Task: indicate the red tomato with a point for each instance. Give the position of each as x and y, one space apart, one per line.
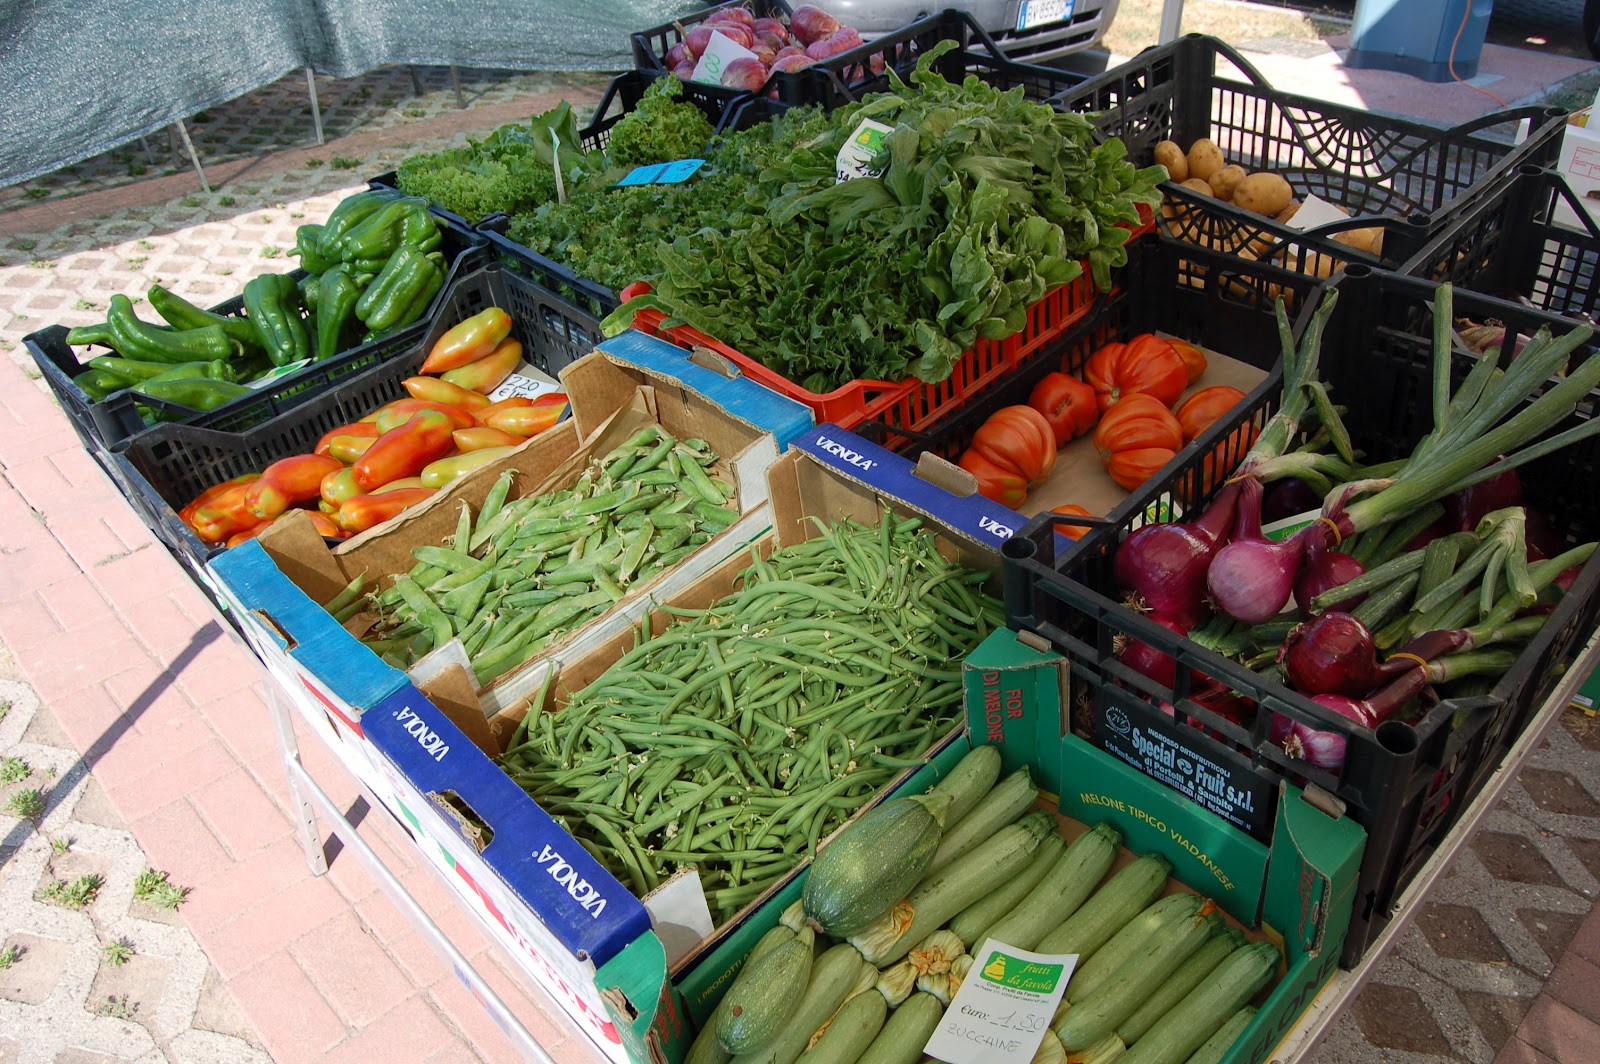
1072 510
1194 359
1001 485
1145 365
1205 406
1137 437
1018 439
1068 404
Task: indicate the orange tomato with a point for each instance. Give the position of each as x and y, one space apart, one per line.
435 390
1136 437
1002 485
1068 404
1018 439
1194 359
1205 406
476 439
1145 365
1072 510
357 429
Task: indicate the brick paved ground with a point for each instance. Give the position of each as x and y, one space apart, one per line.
154 723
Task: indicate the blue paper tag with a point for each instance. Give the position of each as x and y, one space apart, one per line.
662 173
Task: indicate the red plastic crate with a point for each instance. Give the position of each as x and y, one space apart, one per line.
912 404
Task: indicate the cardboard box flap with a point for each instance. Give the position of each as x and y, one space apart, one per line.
1312 852
591 914
637 995
302 627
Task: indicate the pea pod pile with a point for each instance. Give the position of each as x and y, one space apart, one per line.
737 737
527 571
373 267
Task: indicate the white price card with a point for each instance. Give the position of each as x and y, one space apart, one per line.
864 145
524 380
1004 1006
721 51
277 373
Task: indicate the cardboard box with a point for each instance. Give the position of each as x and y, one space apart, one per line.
1579 164
1296 893
570 924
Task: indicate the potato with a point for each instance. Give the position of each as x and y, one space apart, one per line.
1171 156
1265 194
1224 181
1288 212
1199 185
1205 159
1368 240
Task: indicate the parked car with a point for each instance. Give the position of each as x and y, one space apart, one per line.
1032 31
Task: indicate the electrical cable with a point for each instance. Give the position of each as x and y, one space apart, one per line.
1467 14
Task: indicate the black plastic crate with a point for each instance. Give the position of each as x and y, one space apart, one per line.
163 469
1513 243
1407 177
1408 782
105 424
1208 298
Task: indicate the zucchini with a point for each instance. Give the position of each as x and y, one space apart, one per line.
1216 1047
706 1049
1190 974
1207 1007
908 1029
1061 892
845 1037
1009 799
976 918
1050 1050
949 890
1104 1051
874 862
972 778
764 994
1097 1014
1122 898
1152 923
776 937
833 977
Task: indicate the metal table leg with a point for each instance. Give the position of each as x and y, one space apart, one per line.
316 106
183 131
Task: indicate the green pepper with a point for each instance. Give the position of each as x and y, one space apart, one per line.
142 341
129 370
90 334
308 291
308 245
380 234
189 371
183 314
97 384
201 393
337 295
419 230
272 303
392 292
351 211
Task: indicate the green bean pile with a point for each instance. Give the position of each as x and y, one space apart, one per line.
528 571
736 738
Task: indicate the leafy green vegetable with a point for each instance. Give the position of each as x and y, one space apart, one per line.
664 127
985 201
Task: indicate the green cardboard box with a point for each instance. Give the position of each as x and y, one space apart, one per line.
1296 892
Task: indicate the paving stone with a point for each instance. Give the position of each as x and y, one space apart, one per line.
1517 1051
73 1055
218 1012
139 979
10 1051
33 976
1459 932
1558 792
1495 1016
1559 1032
1513 857
1394 1017
95 808
1554 931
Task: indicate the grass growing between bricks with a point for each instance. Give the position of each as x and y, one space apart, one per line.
77 894
9 956
117 1006
154 889
27 804
117 952
14 770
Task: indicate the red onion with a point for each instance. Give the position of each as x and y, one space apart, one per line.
788 64
1145 659
685 71
1543 537
791 49
1289 498
748 74
1324 570
1466 508
846 39
810 23
737 32
773 28
1165 565
678 53
1332 654
1252 578
743 16
1326 749
696 40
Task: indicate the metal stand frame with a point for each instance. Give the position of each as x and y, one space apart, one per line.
309 799
316 105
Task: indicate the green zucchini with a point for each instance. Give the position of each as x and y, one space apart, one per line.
908 1029
764 994
776 937
951 889
1122 898
1207 1007
706 1048
1105 1051
1153 922
1097 1014
874 862
845 1037
1009 799
972 921
1190 974
1061 892
833 977
972 778
1050 1050
1216 1047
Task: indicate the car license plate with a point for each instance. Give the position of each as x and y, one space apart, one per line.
1035 13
